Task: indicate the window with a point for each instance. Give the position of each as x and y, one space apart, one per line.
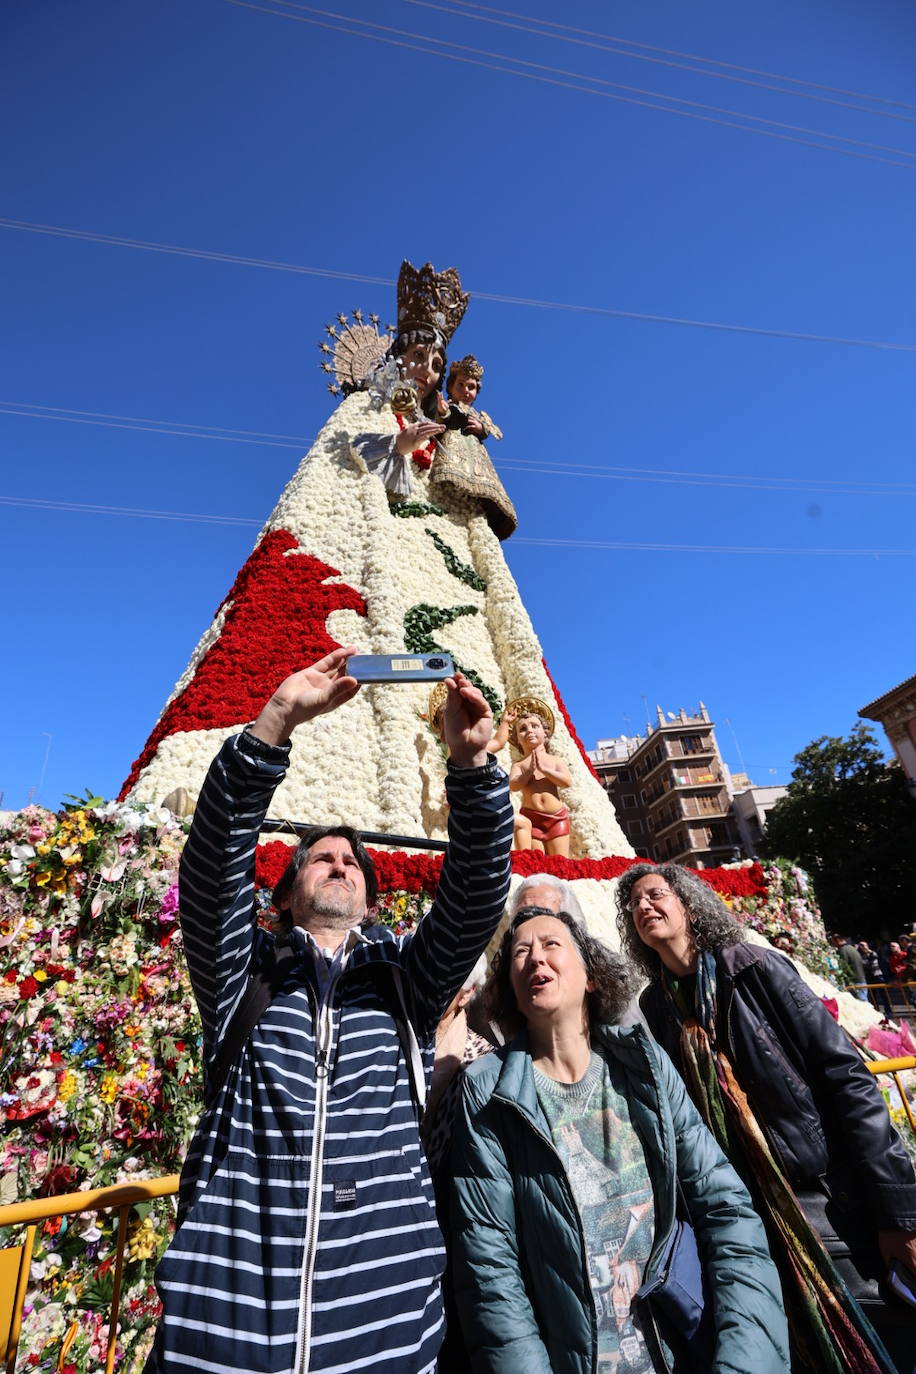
635 827
624 775
629 800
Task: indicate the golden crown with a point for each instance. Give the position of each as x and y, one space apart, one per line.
468 366
428 299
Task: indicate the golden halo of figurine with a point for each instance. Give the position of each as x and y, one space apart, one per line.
355 350
529 706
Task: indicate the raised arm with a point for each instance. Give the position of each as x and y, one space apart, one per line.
474 882
216 875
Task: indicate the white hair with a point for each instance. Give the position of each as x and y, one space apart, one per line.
569 902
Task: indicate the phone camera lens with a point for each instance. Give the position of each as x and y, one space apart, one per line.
435 663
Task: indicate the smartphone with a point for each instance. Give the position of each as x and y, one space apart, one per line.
400 667
902 1281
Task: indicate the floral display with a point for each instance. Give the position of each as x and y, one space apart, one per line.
100 1077
280 602
100 1067
340 563
776 899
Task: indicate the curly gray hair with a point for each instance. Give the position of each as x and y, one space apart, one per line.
711 922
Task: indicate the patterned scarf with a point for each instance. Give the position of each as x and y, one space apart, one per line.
829 1332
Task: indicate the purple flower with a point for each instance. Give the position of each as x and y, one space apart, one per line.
169 908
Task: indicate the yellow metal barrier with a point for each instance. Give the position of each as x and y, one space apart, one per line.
884 992
15 1261
895 1067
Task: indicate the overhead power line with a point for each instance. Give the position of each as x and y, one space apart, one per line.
85 508
529 302
558 76
713 548
611 472
695 57
626 47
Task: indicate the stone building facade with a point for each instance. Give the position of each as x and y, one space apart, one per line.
671 790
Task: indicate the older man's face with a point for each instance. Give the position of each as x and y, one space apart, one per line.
541 894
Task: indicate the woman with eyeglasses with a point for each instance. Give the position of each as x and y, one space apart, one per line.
577 1154
796 1111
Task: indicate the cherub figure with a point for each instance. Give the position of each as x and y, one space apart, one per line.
461 463
542 823
462 387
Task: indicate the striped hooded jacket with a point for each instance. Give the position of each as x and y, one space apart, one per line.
307 1237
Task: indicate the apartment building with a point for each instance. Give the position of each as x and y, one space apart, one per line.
671 790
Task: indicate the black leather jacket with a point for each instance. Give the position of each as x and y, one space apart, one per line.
818 1104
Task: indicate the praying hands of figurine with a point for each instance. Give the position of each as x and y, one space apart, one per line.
540 766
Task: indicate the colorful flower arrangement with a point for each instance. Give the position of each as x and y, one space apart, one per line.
776 899
100 1064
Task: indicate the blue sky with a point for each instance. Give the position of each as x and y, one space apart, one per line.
238 130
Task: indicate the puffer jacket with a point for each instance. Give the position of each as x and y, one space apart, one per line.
521 1271
811 1093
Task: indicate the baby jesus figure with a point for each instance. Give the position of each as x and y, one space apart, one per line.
542 822
462 388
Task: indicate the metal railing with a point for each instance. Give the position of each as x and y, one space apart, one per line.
16 1260
895 1067
883 999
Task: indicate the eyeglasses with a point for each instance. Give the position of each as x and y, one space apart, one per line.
654 896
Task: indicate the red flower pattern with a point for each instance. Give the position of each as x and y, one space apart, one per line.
400 872
275 624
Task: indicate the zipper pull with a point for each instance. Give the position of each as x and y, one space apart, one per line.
321 1064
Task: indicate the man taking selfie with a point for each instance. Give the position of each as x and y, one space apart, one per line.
307 1236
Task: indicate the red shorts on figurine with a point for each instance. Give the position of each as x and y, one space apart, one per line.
547 825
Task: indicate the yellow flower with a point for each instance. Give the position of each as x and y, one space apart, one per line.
400 905
67 1086
39 975
109 1089
60 987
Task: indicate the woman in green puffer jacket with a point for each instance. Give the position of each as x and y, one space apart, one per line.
576 1152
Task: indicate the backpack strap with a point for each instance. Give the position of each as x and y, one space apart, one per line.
267 982
410 1046
263 986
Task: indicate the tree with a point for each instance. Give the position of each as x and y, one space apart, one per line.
848 819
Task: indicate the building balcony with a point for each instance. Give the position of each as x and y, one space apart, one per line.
700 777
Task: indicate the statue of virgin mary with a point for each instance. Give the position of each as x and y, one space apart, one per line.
383 538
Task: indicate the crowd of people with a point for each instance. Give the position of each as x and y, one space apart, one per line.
706 1181
885 976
